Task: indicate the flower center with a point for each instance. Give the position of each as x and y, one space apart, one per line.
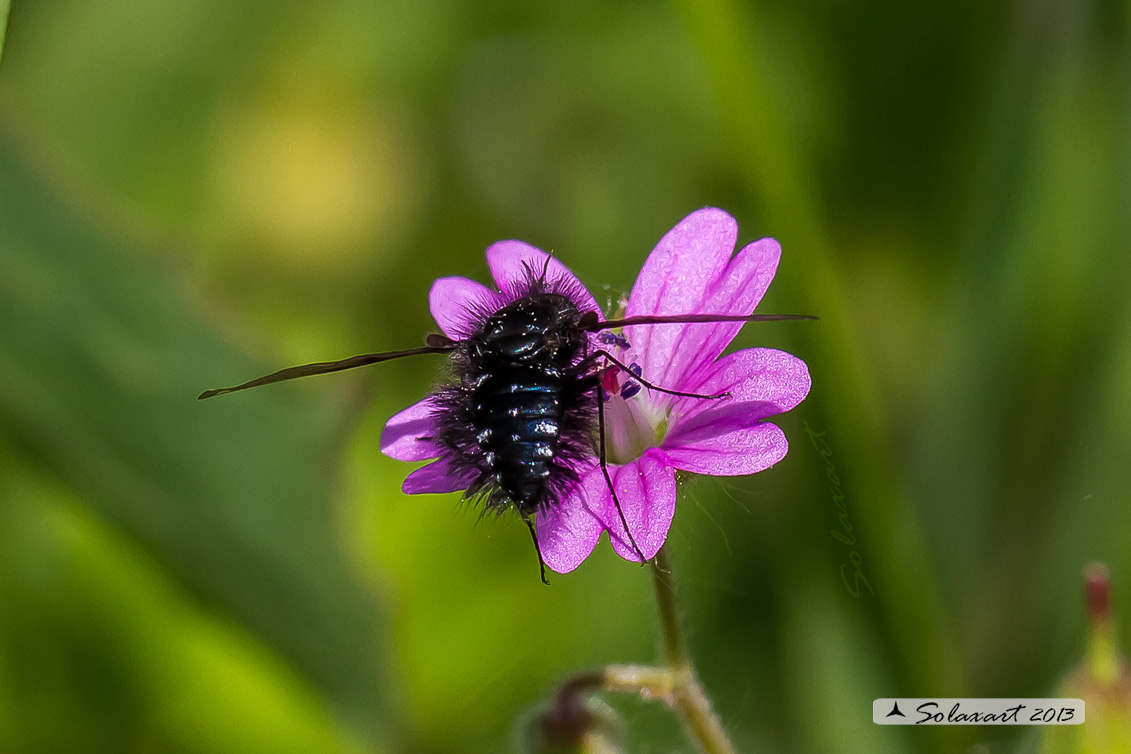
629 431
632 423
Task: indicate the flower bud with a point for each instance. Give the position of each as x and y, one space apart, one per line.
1101 679
570 724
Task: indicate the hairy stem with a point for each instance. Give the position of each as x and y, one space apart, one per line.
674 683
687 694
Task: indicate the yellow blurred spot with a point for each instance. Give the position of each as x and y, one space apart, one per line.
317 180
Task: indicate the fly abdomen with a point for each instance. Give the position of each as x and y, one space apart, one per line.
518 410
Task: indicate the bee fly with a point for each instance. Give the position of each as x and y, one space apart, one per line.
525 410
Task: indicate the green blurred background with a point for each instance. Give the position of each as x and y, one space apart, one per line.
195 192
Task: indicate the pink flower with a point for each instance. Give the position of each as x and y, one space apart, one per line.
649 434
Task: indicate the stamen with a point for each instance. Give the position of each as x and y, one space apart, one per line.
614 339
631 387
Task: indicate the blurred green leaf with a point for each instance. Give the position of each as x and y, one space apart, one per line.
781 176
4 6
101 360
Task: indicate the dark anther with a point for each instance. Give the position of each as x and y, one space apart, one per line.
614 339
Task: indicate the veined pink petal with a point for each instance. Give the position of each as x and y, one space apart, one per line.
677 278
511 263
646 490
737 291
455 302
408 435
772 380
726 436
733 450
437 477
568 532
723 415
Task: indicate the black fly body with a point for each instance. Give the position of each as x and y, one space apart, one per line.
524 412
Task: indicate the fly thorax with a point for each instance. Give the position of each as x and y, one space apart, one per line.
541 328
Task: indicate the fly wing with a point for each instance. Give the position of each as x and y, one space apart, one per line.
326 367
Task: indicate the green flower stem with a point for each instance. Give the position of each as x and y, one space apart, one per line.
675 684
646 681
677 687
689 698
671 626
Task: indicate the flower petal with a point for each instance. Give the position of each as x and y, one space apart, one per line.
732 450
437 477
771 381
727 436
725 415
569 531
408 435
737 291
676 279
458 303
513 262
646 490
